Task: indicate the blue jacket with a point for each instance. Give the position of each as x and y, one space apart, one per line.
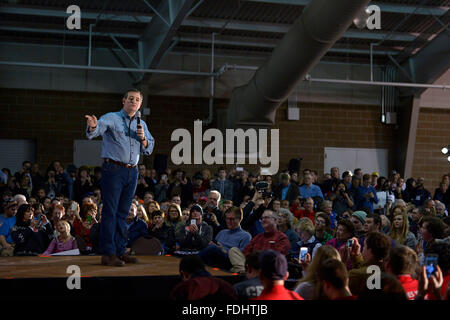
137 229
366 202
227 193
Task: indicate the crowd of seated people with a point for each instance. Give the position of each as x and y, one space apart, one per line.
347 222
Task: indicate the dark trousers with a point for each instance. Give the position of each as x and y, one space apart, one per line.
118 186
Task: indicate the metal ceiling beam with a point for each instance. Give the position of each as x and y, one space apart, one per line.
158 36
283 28
430 63
272 44
213 23
69 32
92 15
385 7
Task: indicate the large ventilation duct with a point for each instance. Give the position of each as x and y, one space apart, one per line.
322 23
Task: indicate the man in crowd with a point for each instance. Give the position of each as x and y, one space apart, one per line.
308 189
272 274
333 275
402 263
198 284
7 221
366 194
216 254
375 251
251 287
223 185
271 238
286 190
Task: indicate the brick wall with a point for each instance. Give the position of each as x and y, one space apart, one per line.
330 125
54 119
433 133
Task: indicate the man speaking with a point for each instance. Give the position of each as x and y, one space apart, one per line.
125 136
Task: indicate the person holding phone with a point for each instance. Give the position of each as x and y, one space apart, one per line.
196 234
125 137
83 227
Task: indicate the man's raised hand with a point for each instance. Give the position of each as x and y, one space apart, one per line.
91 121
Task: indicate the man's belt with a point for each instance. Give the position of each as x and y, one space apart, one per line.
126 165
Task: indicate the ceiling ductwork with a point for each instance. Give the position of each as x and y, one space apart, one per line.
322 23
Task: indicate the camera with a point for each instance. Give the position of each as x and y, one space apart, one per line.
261 186
267 194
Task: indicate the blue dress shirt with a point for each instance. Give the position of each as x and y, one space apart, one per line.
312 191
120 141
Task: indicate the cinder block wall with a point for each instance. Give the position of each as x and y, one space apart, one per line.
433 133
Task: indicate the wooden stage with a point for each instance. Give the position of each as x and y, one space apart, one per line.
45 277
90 266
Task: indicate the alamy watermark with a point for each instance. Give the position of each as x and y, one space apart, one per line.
74 280
374 280
216 153
74 20
369 17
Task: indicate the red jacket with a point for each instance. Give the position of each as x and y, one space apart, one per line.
274 240
410 285
300 213
278 292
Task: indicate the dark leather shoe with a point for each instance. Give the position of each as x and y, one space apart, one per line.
112 261
128 259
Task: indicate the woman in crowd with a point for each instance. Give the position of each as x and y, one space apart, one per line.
30 236
56 213
141 213
322 225
345 230
64 242
185 215
327 207
400 231
174 217
385 224
285 222
305 230
152 206
83 228
309 287
72 214
25 185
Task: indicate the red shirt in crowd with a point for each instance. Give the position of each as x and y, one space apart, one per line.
269 240
278 292
410 285
300 213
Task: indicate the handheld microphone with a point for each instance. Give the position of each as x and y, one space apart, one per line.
138 118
